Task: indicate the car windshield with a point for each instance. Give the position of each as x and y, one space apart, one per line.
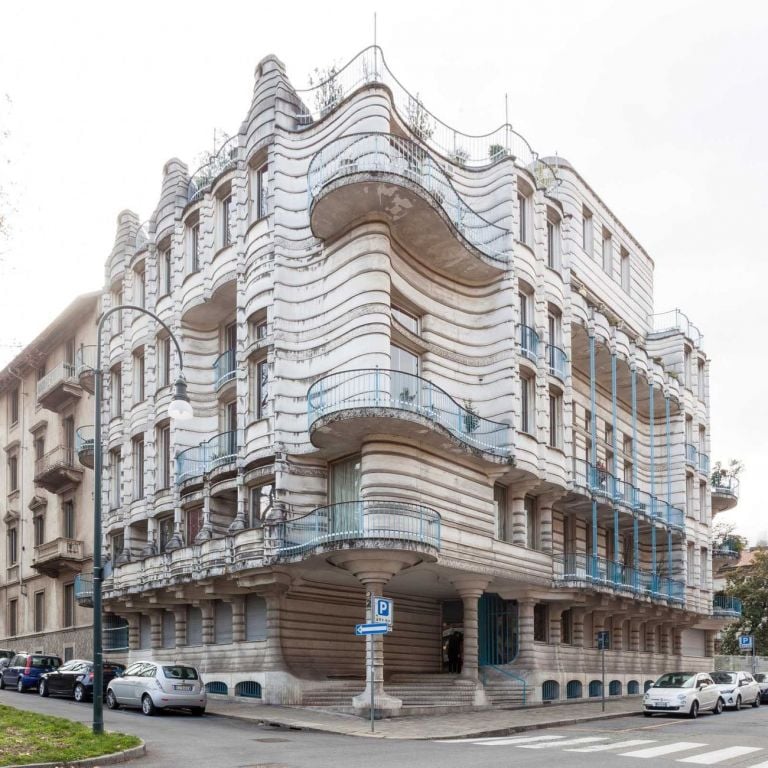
178 672
724 678
45 661
676 680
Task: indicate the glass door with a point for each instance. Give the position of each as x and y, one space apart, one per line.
405 382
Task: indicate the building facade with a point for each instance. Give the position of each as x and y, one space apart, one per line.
424 365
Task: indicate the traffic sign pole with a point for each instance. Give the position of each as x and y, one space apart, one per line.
373 700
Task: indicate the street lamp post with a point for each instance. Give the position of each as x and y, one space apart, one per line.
180 409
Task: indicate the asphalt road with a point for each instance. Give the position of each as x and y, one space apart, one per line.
738 739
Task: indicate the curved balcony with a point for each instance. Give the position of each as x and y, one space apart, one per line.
84 445
363 524
366 393
84 589
557 361
529 343
59 555
580 570
357 177
676 321
703 463
223 160
210 455
725 606
224 368
59 388
85 366
725 492
691 455
725 551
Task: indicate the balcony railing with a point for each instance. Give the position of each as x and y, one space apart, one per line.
60 457
61 373
369 67
725 551
675 320
85 359
84 439
84 587
224 159
381 388
59 549
389 523
529 342
703 463
691 454
590 569
726 606
725 485
209 455
225 368
372 153
603 484
557 361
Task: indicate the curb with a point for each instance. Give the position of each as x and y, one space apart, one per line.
91 762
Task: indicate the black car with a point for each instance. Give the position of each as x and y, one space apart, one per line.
75 679
762 681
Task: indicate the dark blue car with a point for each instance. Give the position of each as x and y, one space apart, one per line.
25 669
75 679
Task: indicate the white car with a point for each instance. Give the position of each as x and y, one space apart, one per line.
683 693
737 688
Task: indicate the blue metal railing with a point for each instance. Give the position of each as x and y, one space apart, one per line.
84 438
383 521
366 153
225 368
691 454
724 605
200 459
383 388
557 361
85 359
703 463
506 673
83 586
529 342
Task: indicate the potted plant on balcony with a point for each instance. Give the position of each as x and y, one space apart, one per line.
406 396
470 417
329 91
419 120
496 152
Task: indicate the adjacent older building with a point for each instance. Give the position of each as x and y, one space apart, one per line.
424 365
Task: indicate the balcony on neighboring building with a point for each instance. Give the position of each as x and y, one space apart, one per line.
725 551
582 570
364 524
84 589
58 555
84 446
56 471
59 388
218 453
377 175
726 607
529 343
224 368
373 398
85 365
557 362
725 492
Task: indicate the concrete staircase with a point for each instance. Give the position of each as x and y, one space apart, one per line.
502 691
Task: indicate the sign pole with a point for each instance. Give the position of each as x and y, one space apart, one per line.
373 705
602 686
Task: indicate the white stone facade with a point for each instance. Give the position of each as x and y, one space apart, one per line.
422 364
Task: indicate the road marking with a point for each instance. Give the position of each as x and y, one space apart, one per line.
615 745
710 758
501 740
568 742
666 749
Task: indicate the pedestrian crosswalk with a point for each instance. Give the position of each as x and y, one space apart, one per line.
700 753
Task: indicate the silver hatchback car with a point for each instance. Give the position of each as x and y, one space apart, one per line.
153 685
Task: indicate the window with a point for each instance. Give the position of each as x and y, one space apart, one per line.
531 519
255 617
69 605
68 519
689 495
13 617
525 299
39 611
138 377
139 286
68 435
687 372
701 379
703 568
262 191
262 389
702 502
13 473
227 220
566 627
116 471
38 525
163 361
116 392
553 242
555 419
690 564
345 480
540 623
166 271
13 406
607 252
406 319
169 632
626 273
137 451
524 214
164 531
194 523
117 317
163 462
526 403
193 247
503 527
587 231
13 545
117 544
262 499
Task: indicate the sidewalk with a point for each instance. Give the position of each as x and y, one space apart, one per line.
494 722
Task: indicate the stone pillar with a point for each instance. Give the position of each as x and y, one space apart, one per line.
650 636
634 634
206 530
555 624
241 519
525 629
677 641
664 644
180 615
578 627
208 630
150 547
519 522
617 634
598 625
134 631
238 619
545 504
709 642
470 590
274 597
156 629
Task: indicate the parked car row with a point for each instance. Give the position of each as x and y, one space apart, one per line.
689 693
148 685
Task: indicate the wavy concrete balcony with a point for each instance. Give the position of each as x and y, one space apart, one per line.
347 405
223 160
557 362
615 492
217 453
374 176
726 607
58 555
56 471
725 492
85 365
59 388
362 524
582 570
84 446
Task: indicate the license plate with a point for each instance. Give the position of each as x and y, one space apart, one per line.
182 687
660 705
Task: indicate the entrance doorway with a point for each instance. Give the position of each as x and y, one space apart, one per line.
452 644
497 630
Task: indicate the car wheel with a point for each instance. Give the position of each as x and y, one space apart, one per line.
198 711
20 685
756 702
694 713
112 700
648 714
42 689
2 683
147 705
718 710
79 693
737 705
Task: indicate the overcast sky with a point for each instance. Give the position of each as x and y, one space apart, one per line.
660 105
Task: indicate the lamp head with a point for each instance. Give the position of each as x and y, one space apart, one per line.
180 409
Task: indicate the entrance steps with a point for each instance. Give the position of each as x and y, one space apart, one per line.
502 691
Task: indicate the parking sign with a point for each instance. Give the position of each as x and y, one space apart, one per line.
381 609
745 642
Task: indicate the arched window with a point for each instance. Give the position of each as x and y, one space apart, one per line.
550 690
574 689
614 688
648 684
217 687
595 689
633 687
248 688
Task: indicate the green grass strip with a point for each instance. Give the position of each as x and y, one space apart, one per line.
26 737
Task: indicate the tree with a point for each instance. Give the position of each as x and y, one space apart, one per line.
724 536
329 90
419 120
751 587
733 469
